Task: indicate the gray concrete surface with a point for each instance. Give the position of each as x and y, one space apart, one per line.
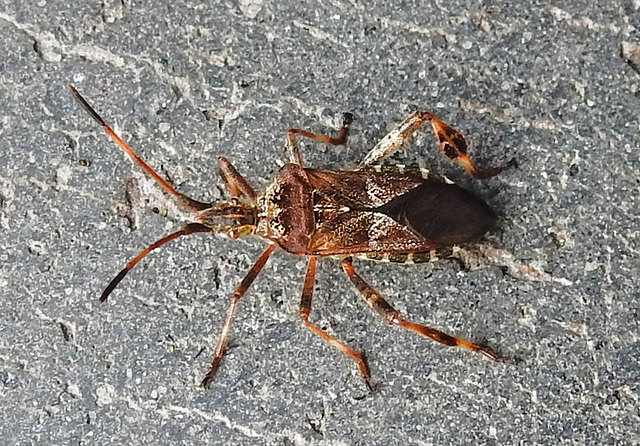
553 84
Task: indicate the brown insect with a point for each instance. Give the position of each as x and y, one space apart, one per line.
386 213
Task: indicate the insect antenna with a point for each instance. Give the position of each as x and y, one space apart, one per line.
183 199
190 228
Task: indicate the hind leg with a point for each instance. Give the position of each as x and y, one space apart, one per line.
391 315
452 144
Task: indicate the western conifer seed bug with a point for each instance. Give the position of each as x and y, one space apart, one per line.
385 213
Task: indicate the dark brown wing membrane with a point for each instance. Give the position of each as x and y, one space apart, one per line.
442 213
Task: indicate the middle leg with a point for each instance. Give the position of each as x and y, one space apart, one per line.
384 309
305 309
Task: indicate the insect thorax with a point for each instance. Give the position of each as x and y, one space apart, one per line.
285 210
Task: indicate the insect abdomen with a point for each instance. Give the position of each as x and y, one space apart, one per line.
410 258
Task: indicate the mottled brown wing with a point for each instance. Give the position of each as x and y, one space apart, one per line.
359 190
357 232
346 221
364 212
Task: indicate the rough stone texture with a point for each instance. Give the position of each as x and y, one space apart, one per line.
184 82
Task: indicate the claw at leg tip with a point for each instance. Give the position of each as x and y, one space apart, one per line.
206 382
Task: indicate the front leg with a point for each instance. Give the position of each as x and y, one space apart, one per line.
235 182
231 312
452 144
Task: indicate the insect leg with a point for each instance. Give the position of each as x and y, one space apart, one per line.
305 309
384 309
182 199
190 228
236 183
292 143
452 144
388 145
226 328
